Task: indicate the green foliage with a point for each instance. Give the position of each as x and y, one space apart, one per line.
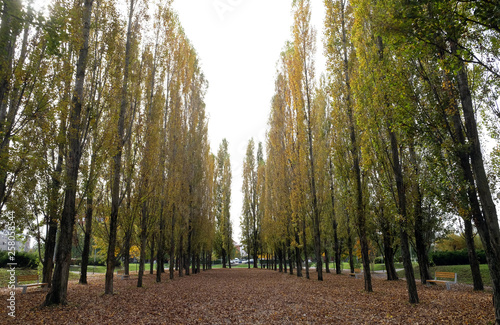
23 260
455 257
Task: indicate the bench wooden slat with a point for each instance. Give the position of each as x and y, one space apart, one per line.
357 272
122 275
29 277
444 275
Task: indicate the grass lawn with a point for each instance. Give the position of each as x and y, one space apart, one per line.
464 274
5 275
373 267
133 267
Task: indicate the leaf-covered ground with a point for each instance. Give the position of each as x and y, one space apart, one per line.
253 296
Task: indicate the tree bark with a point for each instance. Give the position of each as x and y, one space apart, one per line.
488 227
86 241
143 238
9 31
387 238
327 261
171 264
405 247
161 246
52 219
304 243
420 243
152 255
349 244
58 291
473 260
117 161
223 258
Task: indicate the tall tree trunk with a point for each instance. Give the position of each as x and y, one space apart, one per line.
117 161
223 258
9 31
349 244
298 257
89 215
355 151
52 219
336 246
152 255
255 255
327 261
161 245
144 237
171 264
304 241
420 243
189 248
58 291
290 258
470 192
86 241
405 247
181 256
55 186
280 260
316 221
490 225
471 252
126 251
387 238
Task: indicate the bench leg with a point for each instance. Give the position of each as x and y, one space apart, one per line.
448 286
24 289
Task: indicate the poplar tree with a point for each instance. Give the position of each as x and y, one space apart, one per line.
222 196
58 291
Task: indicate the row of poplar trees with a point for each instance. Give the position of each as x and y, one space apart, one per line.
103 125
377 153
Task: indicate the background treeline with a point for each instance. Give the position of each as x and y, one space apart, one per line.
384 152
104 138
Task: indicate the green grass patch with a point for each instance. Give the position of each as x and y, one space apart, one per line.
236 266
464 274
5 275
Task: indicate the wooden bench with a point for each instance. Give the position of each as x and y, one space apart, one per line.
444 275
357 272
28 278
122 275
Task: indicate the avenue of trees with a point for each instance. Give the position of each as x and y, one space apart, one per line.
104 140
104 145
382 152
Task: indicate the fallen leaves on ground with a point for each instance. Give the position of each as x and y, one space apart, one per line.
253 296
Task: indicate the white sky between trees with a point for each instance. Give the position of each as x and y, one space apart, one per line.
239 44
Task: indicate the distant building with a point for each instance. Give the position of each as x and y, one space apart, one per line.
4 243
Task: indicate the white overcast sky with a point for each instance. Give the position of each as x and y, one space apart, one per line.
239 43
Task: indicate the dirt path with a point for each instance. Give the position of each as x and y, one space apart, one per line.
242 296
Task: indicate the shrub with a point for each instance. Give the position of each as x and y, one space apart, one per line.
379 260
455 257
23 260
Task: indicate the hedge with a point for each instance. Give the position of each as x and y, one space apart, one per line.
455 257
23 259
